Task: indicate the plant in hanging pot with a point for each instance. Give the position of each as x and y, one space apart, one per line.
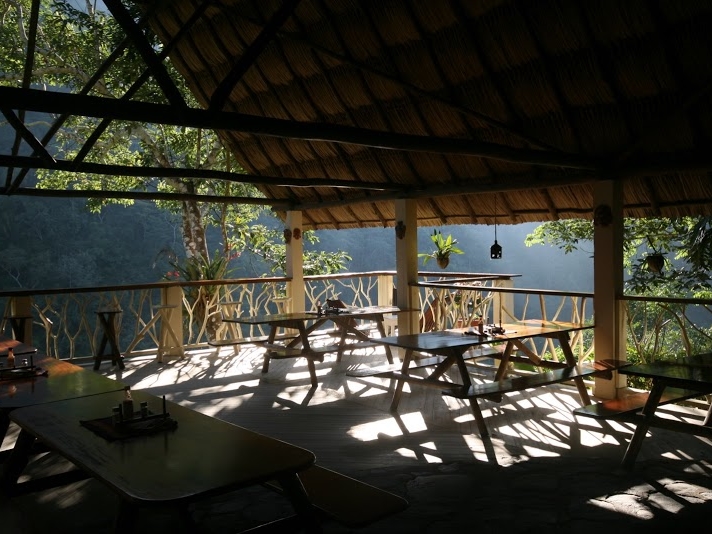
655 259
444 246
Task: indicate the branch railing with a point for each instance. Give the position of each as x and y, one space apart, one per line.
498 303
65 324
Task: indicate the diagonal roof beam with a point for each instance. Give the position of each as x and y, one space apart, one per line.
26 80
92 106
222 92
155 65
131 92
27 135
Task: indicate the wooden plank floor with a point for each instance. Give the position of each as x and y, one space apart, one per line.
430 454
347 422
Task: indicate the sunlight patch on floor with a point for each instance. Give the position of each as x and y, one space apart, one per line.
413 422
214 408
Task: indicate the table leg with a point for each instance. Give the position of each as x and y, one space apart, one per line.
399 386
479 418
4 423
109 336
16 463
504 362
382 332
270 339
297 495
572 362
648 412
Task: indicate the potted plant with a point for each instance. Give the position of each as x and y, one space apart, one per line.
444 246
655 259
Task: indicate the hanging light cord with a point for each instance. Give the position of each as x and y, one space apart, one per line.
495 217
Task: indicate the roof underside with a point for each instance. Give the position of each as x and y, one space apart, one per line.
499 109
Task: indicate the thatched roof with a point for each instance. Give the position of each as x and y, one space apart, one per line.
455 102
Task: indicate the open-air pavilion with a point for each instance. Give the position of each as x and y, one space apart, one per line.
405 114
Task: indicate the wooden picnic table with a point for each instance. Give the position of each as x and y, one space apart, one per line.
57 380
171 468
690 374
452 345
306 323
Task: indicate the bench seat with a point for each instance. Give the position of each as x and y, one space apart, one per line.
629 405
520 383
346 500
419 363
280 352
256 340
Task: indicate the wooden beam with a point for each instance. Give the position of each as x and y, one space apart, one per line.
131 91
155 65
93 106
194 174
222 92
145 195
27 135
26 78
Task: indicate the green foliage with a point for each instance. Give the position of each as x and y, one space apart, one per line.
686 243
74 40
656 330
266 244
202 268
444 246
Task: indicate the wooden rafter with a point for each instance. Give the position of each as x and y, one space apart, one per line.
155 65
194 174
222 92
91 106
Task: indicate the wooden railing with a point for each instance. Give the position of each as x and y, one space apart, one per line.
497 302
64 322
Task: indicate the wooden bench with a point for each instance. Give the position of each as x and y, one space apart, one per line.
280 352
625 408
346 500
494 390
256 340
419 363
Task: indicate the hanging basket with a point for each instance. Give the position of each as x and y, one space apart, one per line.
655 262
443 262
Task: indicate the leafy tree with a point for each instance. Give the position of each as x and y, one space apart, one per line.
655 329
72 45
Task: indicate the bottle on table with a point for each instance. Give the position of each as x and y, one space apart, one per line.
127 406
10 357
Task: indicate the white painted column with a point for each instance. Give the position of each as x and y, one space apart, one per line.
609 332
295 262
407 266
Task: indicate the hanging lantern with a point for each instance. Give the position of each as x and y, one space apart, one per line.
496 249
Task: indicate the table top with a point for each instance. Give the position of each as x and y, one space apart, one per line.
277 318
17 347
459 337
203 456
686 374
64 380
